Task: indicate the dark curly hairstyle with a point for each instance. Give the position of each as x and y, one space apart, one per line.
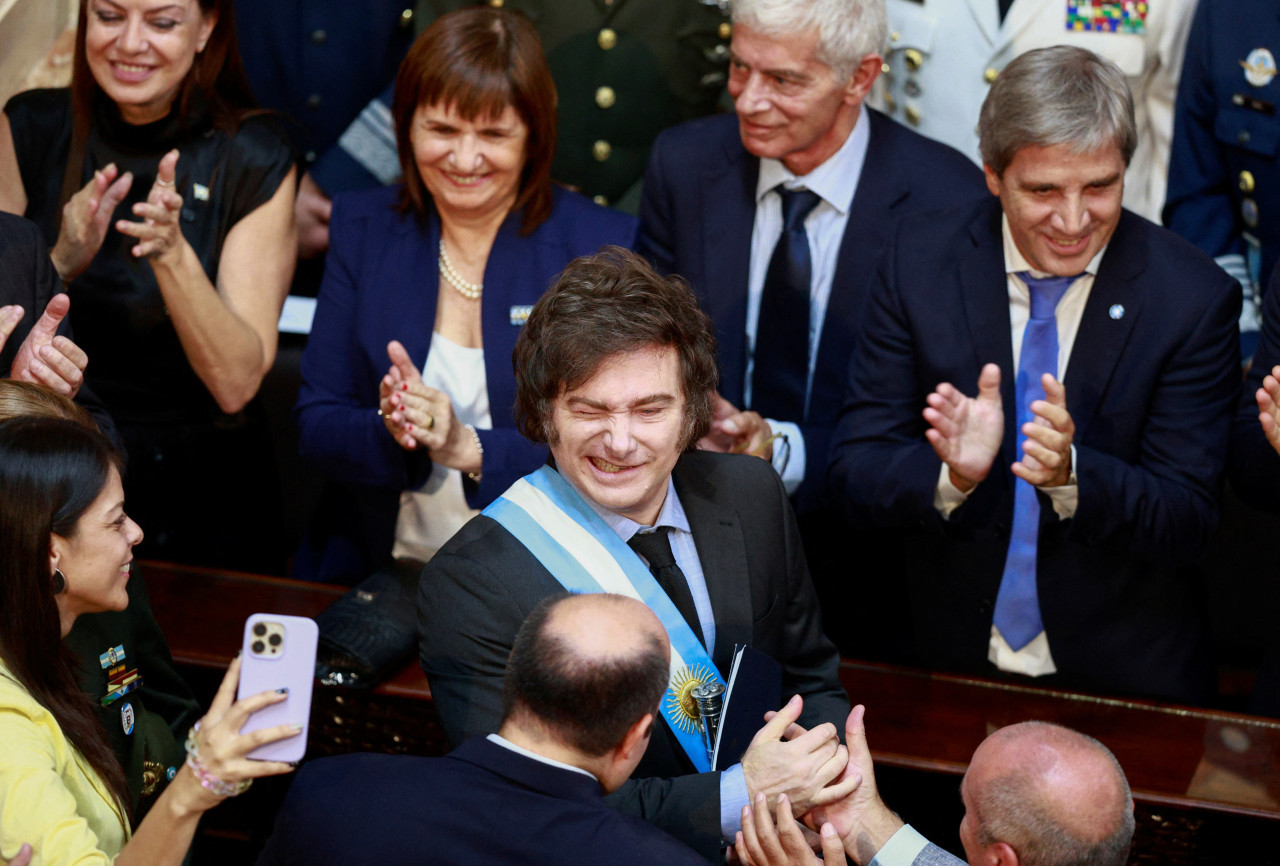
602 306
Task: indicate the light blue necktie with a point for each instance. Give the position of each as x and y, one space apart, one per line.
1017 613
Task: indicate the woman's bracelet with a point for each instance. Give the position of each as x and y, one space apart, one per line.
475 437
208 780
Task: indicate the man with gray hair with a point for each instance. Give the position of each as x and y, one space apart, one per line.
1035 794
1055 516
776 216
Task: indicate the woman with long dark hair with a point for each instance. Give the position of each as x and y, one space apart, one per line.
68 546
167 199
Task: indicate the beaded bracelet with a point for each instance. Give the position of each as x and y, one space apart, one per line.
475 437
209 781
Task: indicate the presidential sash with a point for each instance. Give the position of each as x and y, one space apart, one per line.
548 517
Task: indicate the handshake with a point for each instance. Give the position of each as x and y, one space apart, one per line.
810 776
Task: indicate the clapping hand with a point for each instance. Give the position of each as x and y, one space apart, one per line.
966 432
85 220
418 416
158 234
45 357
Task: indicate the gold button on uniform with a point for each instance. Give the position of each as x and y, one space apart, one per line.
1246 182
914 58
607 38
406 18
601 150
726 30
497 4
605 97
990 75
600 200
912 114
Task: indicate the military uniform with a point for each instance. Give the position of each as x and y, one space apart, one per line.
145 707
1224 175
319 62
943 56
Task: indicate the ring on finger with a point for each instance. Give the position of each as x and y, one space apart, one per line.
431 421
166 183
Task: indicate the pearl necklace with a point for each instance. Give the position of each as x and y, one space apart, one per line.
469 290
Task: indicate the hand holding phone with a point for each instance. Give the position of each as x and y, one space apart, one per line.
279 652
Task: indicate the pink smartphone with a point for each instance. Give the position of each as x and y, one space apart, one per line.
279 653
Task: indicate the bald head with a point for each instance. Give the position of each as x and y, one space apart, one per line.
1055 796
584 668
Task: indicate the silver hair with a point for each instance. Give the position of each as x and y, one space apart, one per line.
1056 96
848 30
1011 809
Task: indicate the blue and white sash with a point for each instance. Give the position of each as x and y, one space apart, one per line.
584 554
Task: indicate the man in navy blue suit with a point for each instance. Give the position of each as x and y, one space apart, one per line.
582 689
802 167
1057 515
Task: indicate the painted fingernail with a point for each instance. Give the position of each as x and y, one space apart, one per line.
284 691
404 386
408 426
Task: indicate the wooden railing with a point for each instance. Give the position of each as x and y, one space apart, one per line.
1174 756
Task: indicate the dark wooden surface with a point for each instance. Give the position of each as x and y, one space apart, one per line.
1175 757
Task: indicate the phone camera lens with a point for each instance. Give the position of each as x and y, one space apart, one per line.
259 629
275 640
258 646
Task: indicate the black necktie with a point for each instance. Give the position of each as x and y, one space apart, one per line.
782 329
656 548
1004 8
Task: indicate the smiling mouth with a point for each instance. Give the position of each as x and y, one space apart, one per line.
466 179
606 466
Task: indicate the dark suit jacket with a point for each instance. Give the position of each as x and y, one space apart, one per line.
480 587
481 803
697 214
27 278
380 285
1151 385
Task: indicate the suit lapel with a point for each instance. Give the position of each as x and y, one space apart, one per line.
722 552
1021 15
729 219
413 314
987 17
513 264
985 288
1114 305
880 192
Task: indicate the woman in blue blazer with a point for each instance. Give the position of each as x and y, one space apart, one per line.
407 383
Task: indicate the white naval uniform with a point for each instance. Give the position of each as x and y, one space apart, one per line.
957 47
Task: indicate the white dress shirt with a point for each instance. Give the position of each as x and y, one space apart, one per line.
835 181
1034 659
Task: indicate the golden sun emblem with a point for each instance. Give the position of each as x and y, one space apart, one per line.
682 709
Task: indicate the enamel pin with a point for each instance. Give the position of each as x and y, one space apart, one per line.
1259 67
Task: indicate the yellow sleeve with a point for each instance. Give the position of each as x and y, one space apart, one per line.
36 806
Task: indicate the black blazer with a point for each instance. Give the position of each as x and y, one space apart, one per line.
1151 385
481 803
478 589
696 219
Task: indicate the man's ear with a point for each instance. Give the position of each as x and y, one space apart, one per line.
636 740
993 179
865 75
1000 854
